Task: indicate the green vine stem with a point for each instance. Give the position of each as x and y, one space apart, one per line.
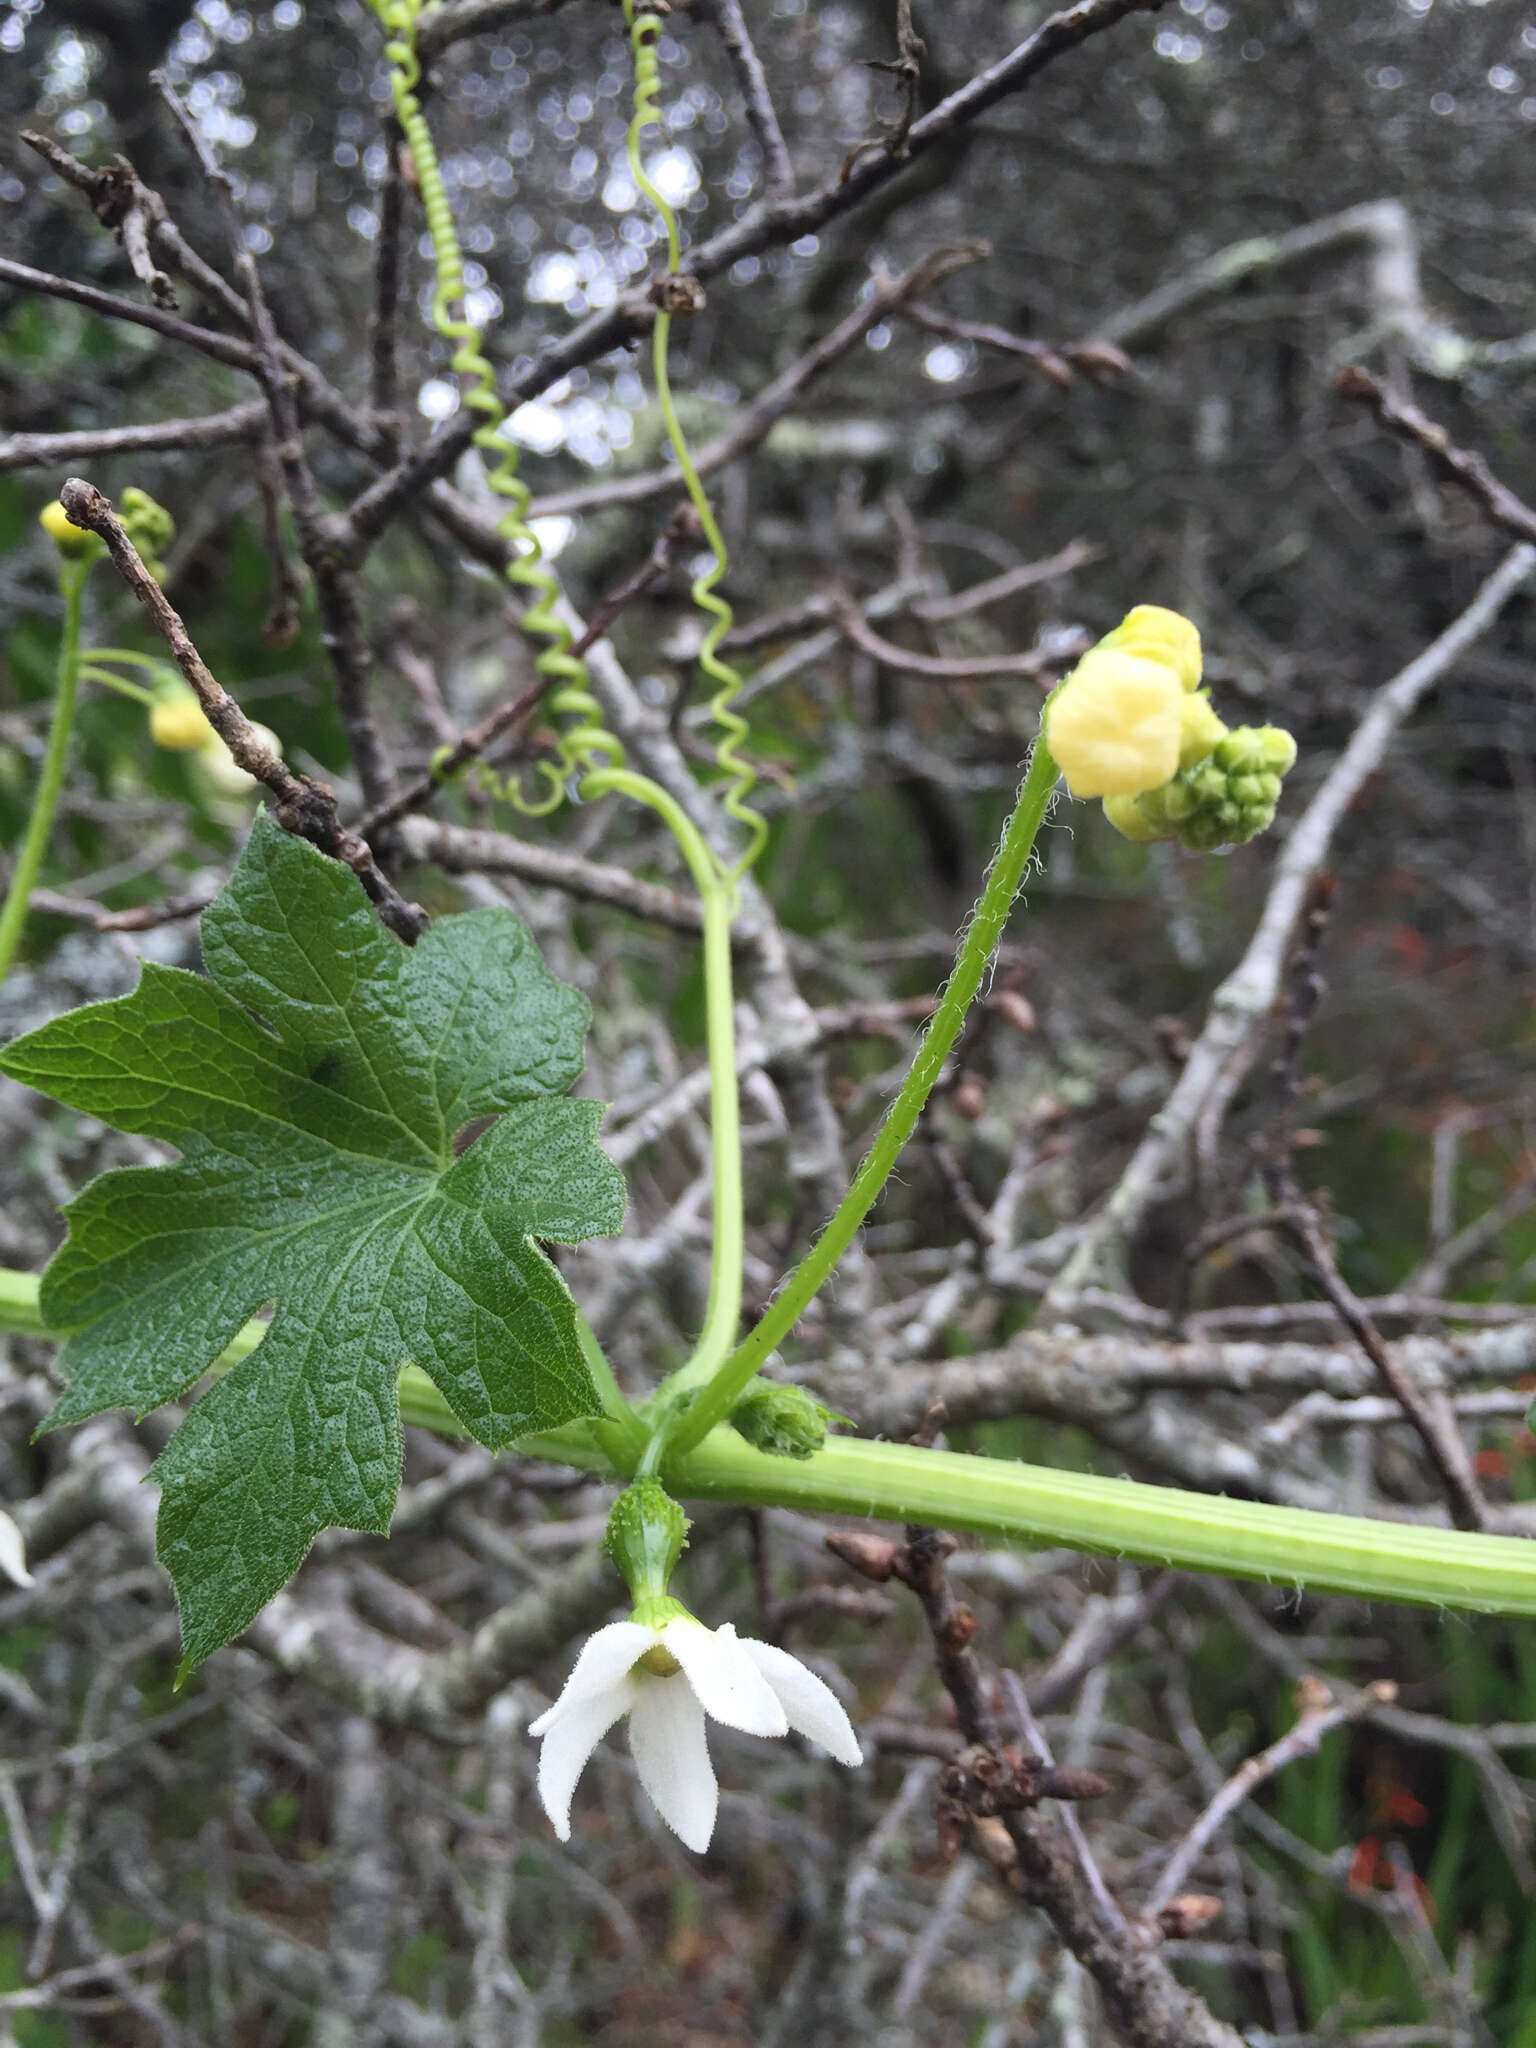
72 578
644 28
715 1400
90 673
587 749
989 1497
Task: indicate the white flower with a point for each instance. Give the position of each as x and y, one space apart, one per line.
667 1679
13 1561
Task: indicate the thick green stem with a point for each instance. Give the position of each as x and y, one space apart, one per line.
977 946
1159 1525
1156 1525
1117 1517
35 844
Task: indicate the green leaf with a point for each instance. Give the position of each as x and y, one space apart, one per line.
314 1085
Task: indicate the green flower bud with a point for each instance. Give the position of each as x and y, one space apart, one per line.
1200 731
785 1422
1225 799
1255 749
647 1531
1129 818
149 526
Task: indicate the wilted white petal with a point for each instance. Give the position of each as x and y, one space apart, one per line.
13 1560
604 1660
570 1740
811 1707
666 1736
729 1685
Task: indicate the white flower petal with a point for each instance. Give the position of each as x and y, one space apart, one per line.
13 1560
604 1660
812 1707
729 1685
666 1737
569 1742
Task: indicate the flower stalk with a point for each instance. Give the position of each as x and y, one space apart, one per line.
74 569
977 946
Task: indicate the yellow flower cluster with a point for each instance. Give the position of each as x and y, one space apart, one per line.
1132 725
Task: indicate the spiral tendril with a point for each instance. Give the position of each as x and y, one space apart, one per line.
584 744
741 776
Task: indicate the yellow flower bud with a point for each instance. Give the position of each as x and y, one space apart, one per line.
1160 635
1115 724
177 722
71 541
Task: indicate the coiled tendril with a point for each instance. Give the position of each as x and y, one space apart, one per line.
644 29
585 744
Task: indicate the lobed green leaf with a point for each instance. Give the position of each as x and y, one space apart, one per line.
315 1084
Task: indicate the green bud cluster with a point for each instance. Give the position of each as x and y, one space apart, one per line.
1225 796
784 1422
149 526
647 1532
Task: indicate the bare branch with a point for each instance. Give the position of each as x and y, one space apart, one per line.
303 807
1462 465
731 27
1320 1715
775 399
213 430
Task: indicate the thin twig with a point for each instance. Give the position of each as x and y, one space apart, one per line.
388 263
302 806
212 430
1077 554
940 668
1320 1715
731 27
346 641
1057 361
515 716
1463 466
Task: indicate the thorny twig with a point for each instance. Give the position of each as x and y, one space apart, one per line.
906 67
